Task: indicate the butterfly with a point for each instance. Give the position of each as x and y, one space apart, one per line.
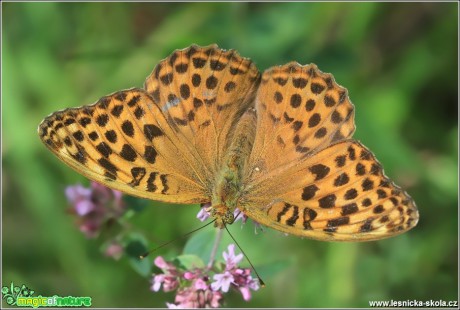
208 128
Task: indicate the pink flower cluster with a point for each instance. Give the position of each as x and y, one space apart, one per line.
94 206
195 288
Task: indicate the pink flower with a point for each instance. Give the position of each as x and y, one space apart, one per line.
80 197
114 250
240 216
246 293
193 290
202 215
160 262
157 281
189 297
170 278
245 282
234 276
193 286
222 281
199 284
169 282
230 258
94 206
189 275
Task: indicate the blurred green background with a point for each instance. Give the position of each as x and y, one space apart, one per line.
398 61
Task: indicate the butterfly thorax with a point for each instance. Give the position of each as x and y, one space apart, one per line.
230 184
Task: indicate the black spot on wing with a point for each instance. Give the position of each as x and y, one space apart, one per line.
340 160
138 174
184 91
106 164
78 135
128 128
295 215
150 154
164 183
93 135
198 62
104 149
309 192
151 187
211 82
349 209
367 184
338 221
116 111
351 194
102 120
316 88
310 105
342 179
327 201
283 212
320 171
139 112
296 100
151 131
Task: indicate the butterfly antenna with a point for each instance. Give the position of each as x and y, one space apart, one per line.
173 240
262 283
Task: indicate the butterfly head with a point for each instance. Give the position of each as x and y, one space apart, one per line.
222 214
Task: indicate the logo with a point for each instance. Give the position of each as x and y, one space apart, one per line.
22 296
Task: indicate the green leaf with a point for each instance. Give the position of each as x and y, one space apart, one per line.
135 204
190 261
137 246
141 266
201 244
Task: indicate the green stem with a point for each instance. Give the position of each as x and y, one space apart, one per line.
214 248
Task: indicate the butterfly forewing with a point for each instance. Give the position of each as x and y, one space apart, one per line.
300 110
203 92
124 142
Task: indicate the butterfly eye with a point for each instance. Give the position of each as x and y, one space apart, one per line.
228 217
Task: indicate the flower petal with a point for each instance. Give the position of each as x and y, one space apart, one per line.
203 215
173 306
245 292
222 281
157 281
200 284
160 262
83 207
77 192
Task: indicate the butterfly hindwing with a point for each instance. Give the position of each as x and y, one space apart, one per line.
340 194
